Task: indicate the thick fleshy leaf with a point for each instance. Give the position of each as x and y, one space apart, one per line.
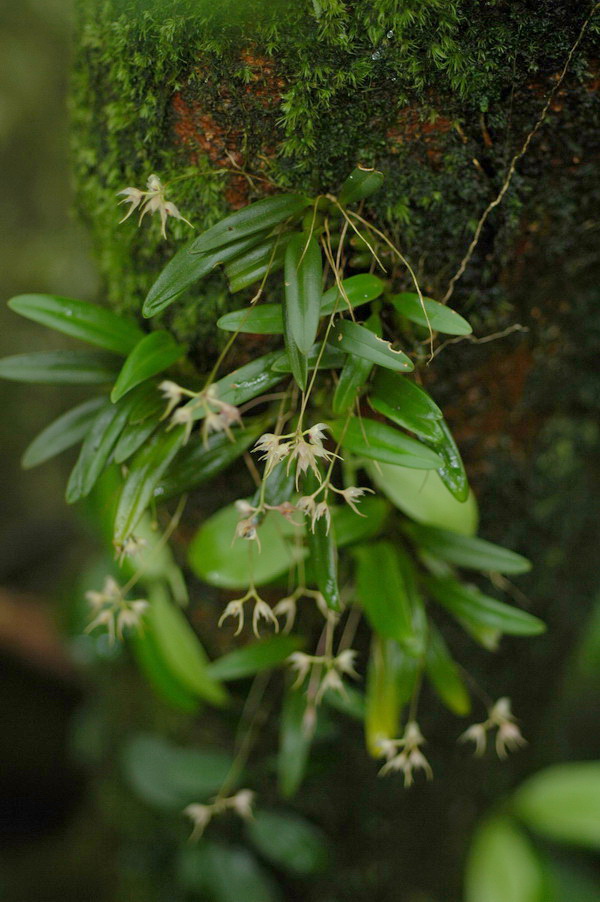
198 462
467 551
180 648
187 267
266 319
354 375
263 260
294 743
323 559
149 402
288 841
424 497
247 382
215 560
452 472
145 472
327 359
378 441
351 527
391 679
163 682
257 217
61 367
444 675
562 803
66 431
361 183
302 304
357 290
96 450
169 777
436 315
406 404
383 595
361 342
224 873
253 658
469 604
80 319
503 865
153 354
133 437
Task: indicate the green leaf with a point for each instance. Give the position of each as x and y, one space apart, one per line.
327 359
145 472
153 354
246 382
224 873
96 450
80 319
149 402
360 183
502 865
198 462
452 472
163 682
562 803
322 552
277 487
403 402
383 595
66 431
256 217
180 649
266 319
444 675
467 551
60 367
391 679
354 375
288 841
133 437
357 290
424 497
441 318
377 441
302 305
352 703
351 527
187 267
360 341
294 743
169 777
468 603
215 560
261 261
252 658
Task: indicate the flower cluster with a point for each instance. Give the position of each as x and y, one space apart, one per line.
218 415
410 758
113 611
305 452
328 669
151 201
201 815
508 736
261 611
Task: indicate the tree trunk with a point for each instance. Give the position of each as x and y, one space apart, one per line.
439 95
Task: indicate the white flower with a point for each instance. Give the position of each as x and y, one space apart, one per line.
352 494
172 393
302 664
316 433
286 607
509 739
262 611
345 662
113 611
321 510
242 803
332 680
151 201
411 758
200 815
476 733
234 609
274 450
184 416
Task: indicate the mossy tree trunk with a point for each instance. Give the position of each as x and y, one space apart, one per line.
439 94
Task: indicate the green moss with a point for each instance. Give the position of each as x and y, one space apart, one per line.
304 91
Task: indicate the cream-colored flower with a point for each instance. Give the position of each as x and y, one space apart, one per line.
113 611
275 450
151 201
173 395
411 758
352 494
201 816
242 803
234 609
476 733
262 611
508 735
286 607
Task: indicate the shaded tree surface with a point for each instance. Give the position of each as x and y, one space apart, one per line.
439 96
